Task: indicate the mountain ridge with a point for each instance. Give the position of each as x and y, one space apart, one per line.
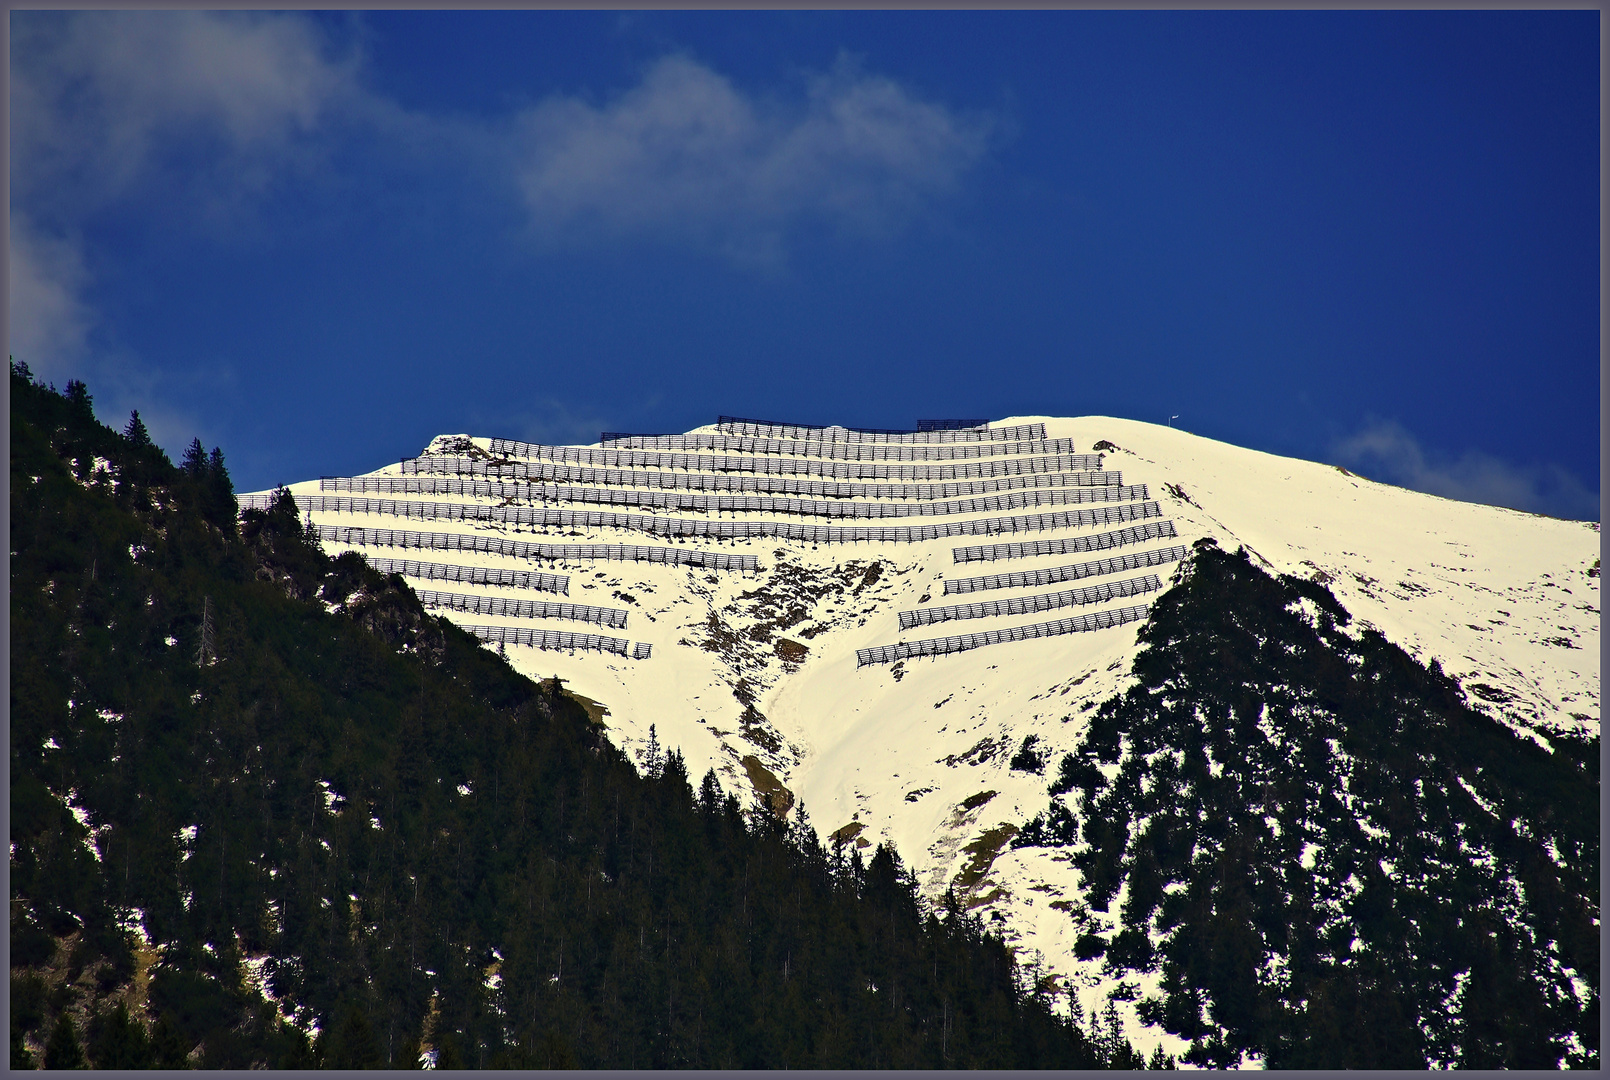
755 672
268 811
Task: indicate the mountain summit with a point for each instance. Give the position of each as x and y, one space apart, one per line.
923 635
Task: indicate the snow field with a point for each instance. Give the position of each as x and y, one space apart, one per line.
758 670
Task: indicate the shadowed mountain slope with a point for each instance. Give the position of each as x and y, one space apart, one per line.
267 811
1333 859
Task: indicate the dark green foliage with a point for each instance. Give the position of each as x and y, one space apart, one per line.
1160 1062
195 460
31 945
293 802
1350 867
1056 827
351 1044
77 395
118 1041
1028 757
27 1003
169 1050
62 1050
135 432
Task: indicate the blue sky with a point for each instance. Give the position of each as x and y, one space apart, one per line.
1368 238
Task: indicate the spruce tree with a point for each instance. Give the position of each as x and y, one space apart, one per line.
63 1051
221 507
77 397
195 461
135 431
118 1041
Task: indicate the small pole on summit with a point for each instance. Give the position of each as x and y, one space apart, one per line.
1173 418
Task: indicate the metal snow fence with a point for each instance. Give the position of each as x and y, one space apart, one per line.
677 500
867 437
727 530
490 544
522 609
551 639
473 575
642 650
431 483
1052 575
1098 620
973 431
960 425
1028 605
1135 534
846 451
721 463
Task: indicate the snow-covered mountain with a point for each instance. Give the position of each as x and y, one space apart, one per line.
746 589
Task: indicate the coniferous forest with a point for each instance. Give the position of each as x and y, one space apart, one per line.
265 811
1329 857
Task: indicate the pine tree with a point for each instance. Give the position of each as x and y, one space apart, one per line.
63 1051
135 431
1161 1062
195 461
221 507
78 397
652 761
168 1047
710 792
118 1041
219 474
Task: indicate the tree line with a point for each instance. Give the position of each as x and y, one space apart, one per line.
267 811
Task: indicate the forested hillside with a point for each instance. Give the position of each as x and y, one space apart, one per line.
1332 859
267 812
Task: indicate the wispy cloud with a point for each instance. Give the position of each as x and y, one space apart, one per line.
686 155
209 108
48 318
1384 449
216 113
100 101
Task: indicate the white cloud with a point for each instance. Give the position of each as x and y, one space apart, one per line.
48 320
209 112
99 98
1385 449
214 106
687 155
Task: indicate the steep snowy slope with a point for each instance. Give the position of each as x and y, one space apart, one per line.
760 655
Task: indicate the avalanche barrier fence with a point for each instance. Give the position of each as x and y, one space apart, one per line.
560 640
462 465
486 544
725 530
431 482
777 504
1028 605
523 609
1135 534
843 451
1098 620
1052 575
473 575
954 431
